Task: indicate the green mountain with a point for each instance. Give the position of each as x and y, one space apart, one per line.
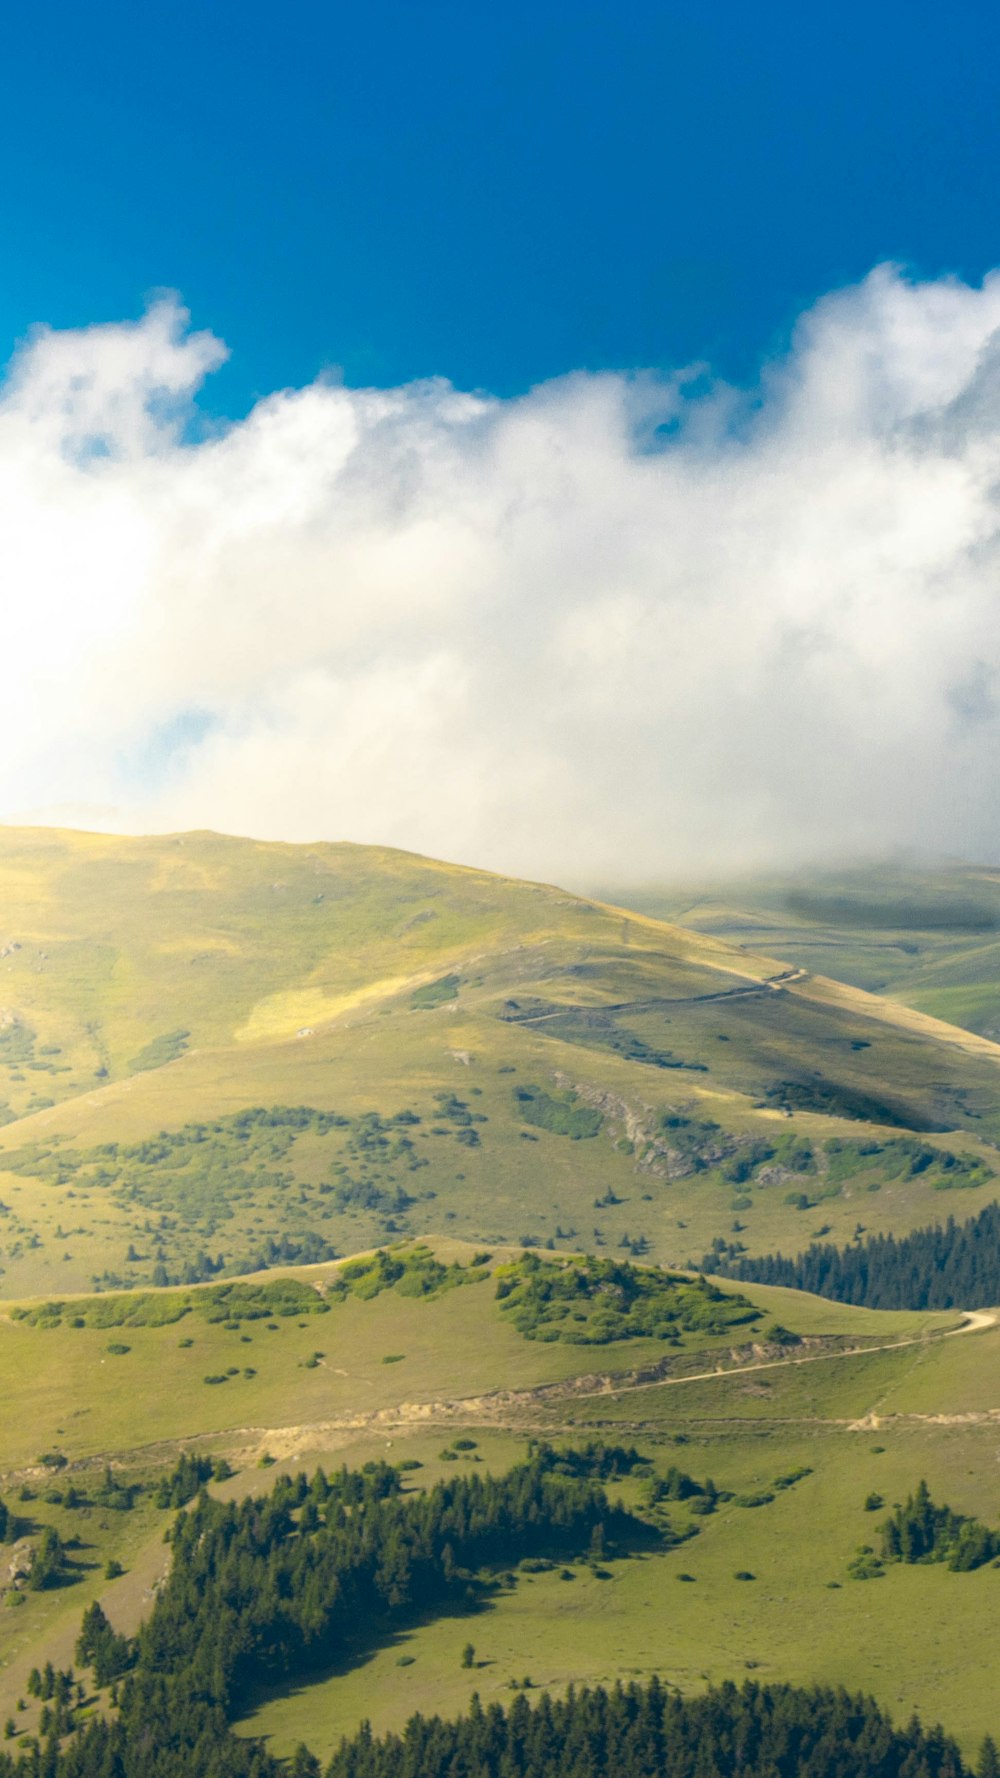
552 1452
217 1054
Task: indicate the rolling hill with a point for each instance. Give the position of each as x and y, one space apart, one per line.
225 1066
757 1450
217 1054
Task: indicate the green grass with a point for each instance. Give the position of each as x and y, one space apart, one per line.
153 985
871 1637
494 1066
411 1377
913 1638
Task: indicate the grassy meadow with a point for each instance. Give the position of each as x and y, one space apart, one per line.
225 1059
405 1378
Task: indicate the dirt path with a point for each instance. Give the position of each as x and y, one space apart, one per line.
517 1410
622 1008
975 1320
128 1600
509 1410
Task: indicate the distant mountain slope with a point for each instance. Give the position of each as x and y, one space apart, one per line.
468 1052
929 938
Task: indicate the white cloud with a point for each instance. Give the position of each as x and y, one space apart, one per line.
621 626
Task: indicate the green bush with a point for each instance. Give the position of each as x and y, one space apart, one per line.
589 1301
561 1114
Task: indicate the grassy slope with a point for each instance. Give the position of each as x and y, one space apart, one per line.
913 1638
928 938
62 1388
293 971
109 943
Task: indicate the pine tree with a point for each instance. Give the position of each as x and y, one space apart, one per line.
988 1760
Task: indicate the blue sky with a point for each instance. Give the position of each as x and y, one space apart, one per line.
496 194
580 626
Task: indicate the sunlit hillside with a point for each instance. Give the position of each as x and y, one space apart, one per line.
218 1054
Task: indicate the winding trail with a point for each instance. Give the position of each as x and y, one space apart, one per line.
512 1409
976 1321
517 1410
619 1008
127 1600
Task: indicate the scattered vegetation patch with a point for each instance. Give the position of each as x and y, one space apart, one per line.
234 1303
865 1564
833 1098
435 993
159 1051
560 1113
790 1477
594 1027
588 1301
904 1158
410 1271
194 1198
695 1145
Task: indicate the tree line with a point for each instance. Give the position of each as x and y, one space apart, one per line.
644 1731
941 1267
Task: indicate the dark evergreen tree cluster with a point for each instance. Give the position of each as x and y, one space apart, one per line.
60 1699
267 1589
608 1463
101 1648
932 1268
48 1561
190 1473
643 1731
923 1532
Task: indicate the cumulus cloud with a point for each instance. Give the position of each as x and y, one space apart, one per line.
623 626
